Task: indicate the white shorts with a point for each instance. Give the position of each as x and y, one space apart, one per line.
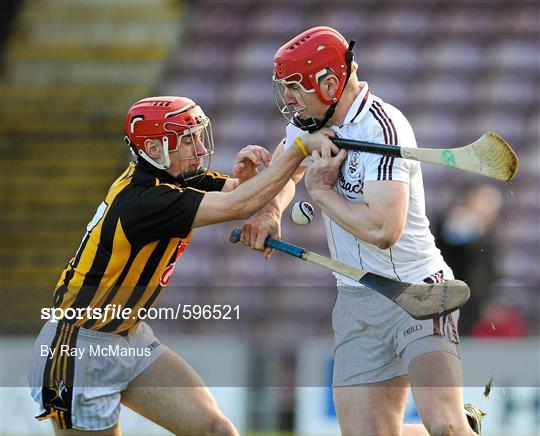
77 375
376 340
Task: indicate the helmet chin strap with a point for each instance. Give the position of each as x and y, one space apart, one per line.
315 124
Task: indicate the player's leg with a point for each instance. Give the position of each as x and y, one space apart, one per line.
436 380
414 430
374 408
170 393
370 383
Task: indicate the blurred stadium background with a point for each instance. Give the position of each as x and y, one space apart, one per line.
70 70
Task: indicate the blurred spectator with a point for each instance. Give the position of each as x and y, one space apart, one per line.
465 238
9 9
500 319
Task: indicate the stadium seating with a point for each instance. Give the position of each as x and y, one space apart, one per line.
71 70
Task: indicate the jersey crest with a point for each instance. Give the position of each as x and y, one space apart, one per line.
351 177
354 164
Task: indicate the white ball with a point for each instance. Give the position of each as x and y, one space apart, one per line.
302 213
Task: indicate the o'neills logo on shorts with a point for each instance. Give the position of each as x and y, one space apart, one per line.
414 328
153 345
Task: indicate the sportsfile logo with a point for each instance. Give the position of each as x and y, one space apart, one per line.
110 311
116 311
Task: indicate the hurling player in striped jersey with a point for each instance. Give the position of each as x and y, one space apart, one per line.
374 213
126 259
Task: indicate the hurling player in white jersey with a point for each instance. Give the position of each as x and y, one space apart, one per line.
375 219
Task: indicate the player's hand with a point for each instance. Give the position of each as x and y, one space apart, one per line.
247 160
315 141
257 228
322 172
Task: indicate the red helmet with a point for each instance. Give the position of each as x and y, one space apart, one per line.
308 56
167 119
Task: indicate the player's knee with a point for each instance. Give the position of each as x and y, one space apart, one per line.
209 422
219 425
446 428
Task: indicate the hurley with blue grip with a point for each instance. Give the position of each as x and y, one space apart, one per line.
421 301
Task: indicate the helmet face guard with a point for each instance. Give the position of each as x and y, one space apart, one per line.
193 175
302 117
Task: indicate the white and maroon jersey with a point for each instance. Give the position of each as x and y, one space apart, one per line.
414 257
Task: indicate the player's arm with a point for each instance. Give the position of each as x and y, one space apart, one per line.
379 220
280 202
253 194
267 222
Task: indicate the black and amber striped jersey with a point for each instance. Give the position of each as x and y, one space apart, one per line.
129 250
